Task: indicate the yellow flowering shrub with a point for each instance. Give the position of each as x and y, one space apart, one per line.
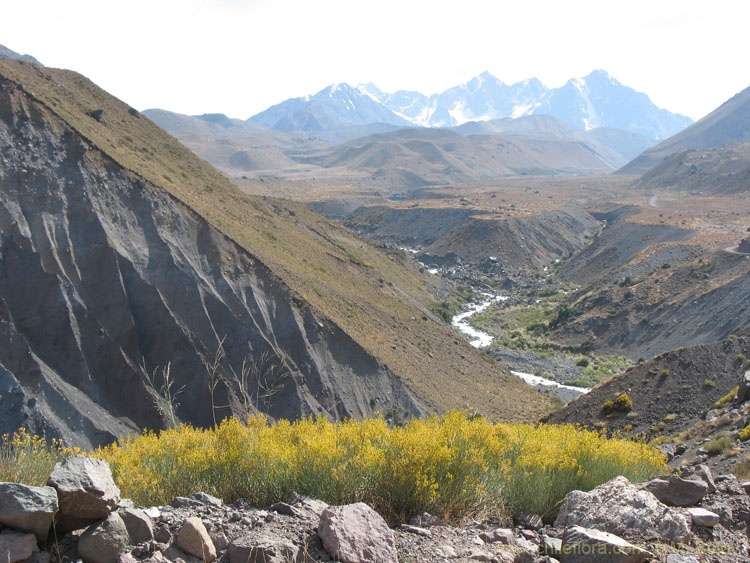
450 465
29 459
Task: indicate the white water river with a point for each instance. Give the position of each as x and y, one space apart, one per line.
480 339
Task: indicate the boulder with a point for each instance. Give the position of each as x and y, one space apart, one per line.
104 541
30 509
620 508
307 503
264 548
499 535
205 498
139 525
194 540
582 545
16 546
703 517
673 490
85 491
700 473
355 533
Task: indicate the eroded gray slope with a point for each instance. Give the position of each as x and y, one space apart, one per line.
100 270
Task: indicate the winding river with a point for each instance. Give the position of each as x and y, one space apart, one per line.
480 339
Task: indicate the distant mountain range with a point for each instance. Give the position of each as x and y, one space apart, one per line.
728 123
597 100
6 53
413 156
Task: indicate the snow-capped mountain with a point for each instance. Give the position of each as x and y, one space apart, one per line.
597 100
336 106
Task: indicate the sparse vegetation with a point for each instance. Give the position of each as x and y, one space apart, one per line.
720 444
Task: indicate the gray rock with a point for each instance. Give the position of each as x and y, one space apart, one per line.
668 449
205 498
620 508
701 473
425 520
85 491
16 546
263 548
424 532
673 490
355 533
186 502
286 509
139 525
310 504
499 535
30 509
194 540
703 517
726 515
104 541
582 545
528 521
125 503
675 558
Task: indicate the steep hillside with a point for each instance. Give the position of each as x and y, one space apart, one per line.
728 123
719 170
643 298
518 243
669 393
120 247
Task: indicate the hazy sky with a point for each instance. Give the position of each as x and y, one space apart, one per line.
240 56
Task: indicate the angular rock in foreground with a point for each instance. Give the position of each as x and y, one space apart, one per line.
673 490
582 545
104 541
620 508
139 525
194 540
355 533
85 490
28 508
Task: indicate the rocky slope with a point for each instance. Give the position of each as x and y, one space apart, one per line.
673 383
120 248
719 170
728 123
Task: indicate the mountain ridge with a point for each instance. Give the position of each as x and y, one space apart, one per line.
595 100
728 123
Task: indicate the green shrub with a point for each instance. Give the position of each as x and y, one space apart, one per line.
583 362
745 433
720 444
622 403
709 383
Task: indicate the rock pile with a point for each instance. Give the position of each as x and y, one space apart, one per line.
615 522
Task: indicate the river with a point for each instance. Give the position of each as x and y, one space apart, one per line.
480 339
